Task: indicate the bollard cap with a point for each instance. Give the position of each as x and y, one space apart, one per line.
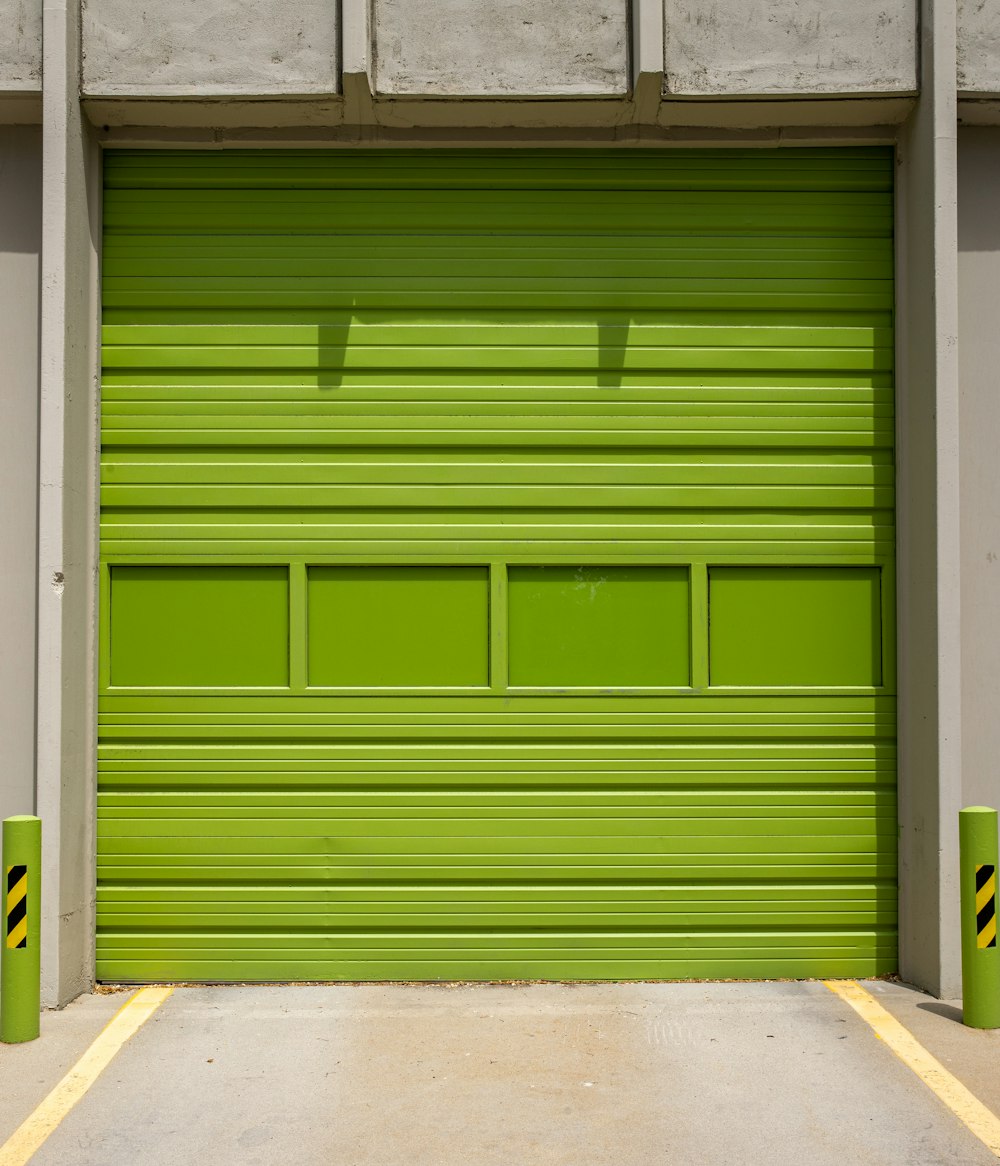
23 826
978 810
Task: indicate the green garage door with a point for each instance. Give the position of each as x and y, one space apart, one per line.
497 554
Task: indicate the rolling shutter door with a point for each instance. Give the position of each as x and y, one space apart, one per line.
496 565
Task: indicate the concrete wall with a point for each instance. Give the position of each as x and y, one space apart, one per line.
20 247
979 46
979 357
20 45
202 47
501 48
717 48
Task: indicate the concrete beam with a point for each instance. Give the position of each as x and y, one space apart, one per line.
978 110
217 120
20 46
787 113
506 48
978 50
179 48
724 48
21 109
625 136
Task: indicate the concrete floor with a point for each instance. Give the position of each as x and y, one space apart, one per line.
28 1071
545 1075
972 1055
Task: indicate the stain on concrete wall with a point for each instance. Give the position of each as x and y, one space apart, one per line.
20 45
734 47
179 47
501 48
979 46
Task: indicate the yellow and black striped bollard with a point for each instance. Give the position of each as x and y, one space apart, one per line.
980 954
20 965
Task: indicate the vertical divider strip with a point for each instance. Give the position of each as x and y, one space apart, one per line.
887 604
498 626
699 626
298 664
104 627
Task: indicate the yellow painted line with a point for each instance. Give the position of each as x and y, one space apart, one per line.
964 1105
127 1021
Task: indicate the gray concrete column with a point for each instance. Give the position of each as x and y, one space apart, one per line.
647 59
67 515
356 61
930 769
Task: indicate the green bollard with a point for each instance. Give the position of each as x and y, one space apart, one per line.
977 831
20 963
